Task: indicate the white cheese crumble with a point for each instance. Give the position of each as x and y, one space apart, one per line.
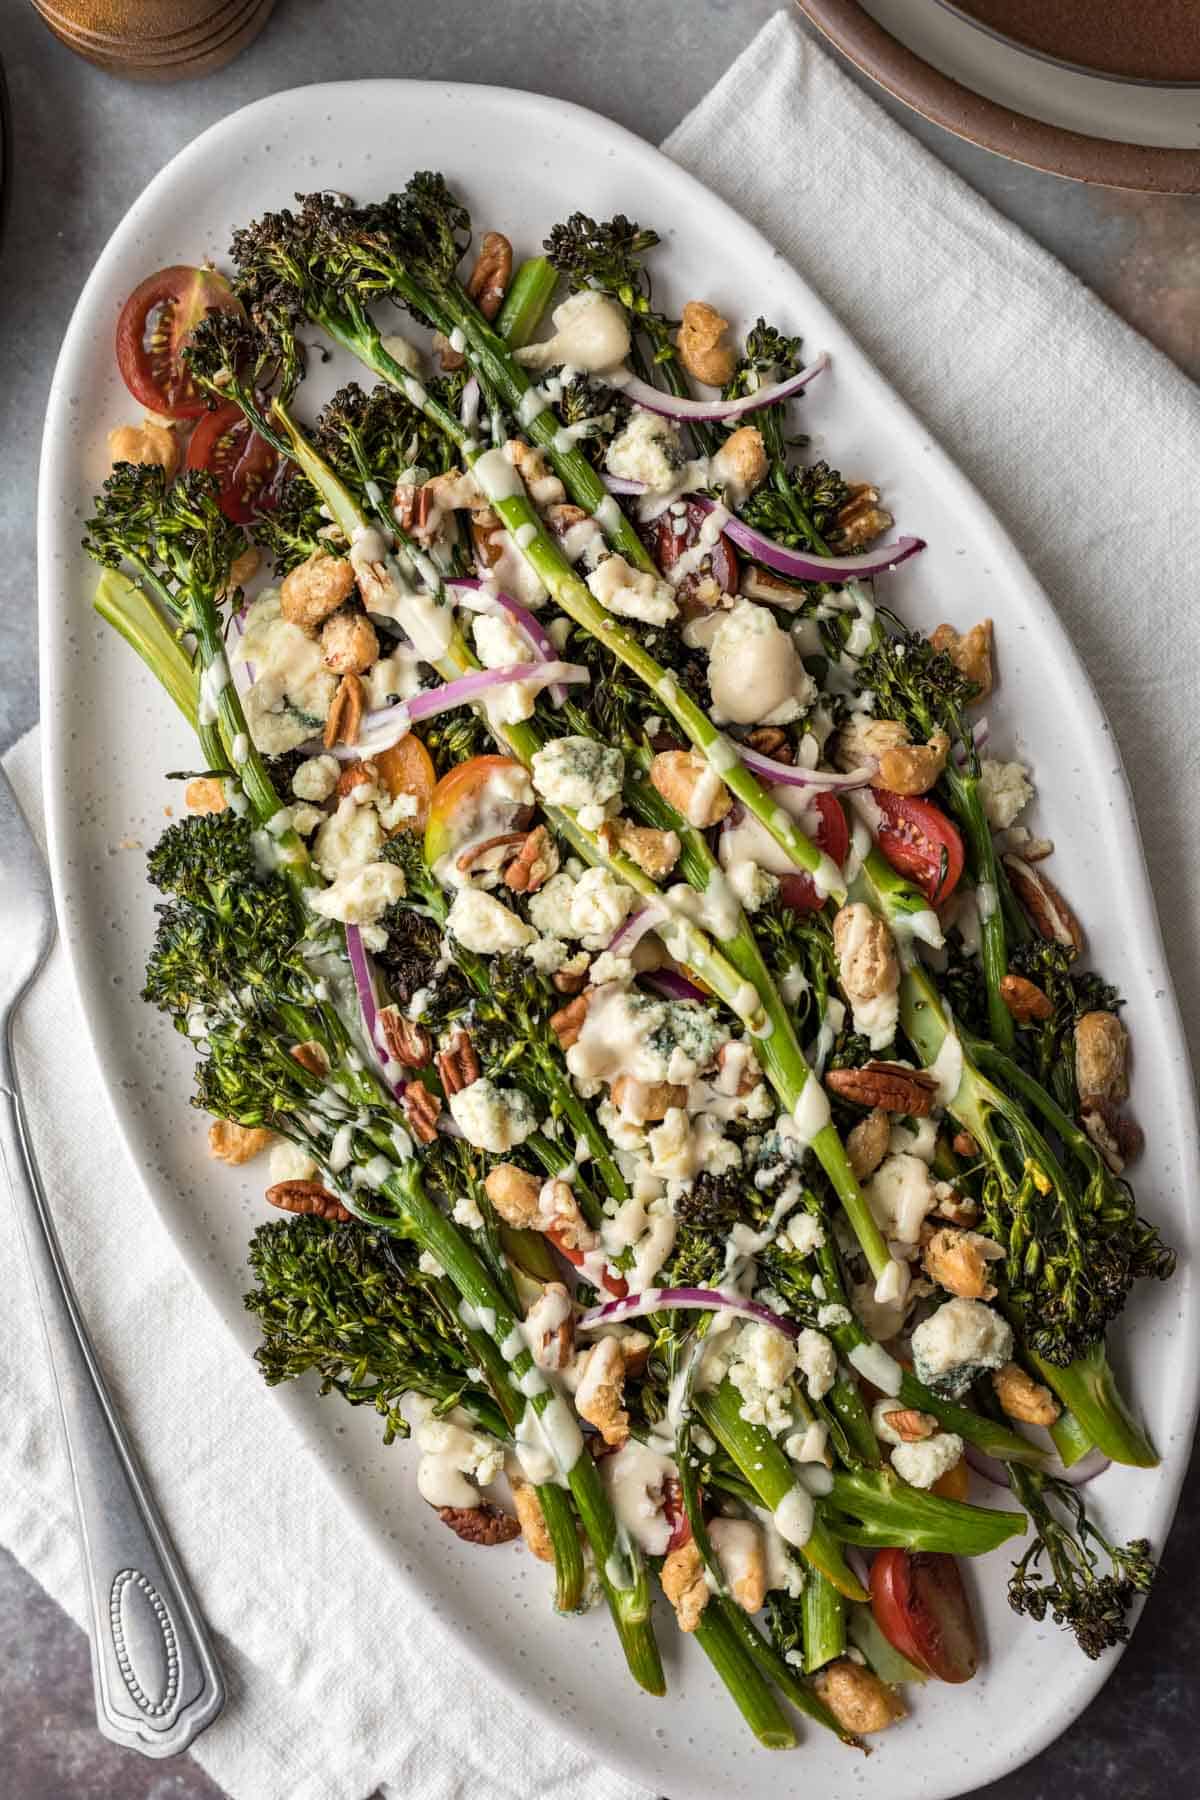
1006 791
316 779
359 898
633 593
926 1460
578 771
349 839
600 904
817 1360
550 907
484 924
492 1118
648 450
958 1340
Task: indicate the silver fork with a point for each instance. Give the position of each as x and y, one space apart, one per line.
157 1681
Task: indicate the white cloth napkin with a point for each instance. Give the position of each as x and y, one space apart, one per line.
1080 435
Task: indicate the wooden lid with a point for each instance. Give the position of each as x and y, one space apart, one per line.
957 107
1134 40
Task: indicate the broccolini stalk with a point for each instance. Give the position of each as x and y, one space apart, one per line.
228 970
123 605
182 548
1073 1249
823 1622
923 689
1068 1584
608 258
340 1300
717 1635
526 301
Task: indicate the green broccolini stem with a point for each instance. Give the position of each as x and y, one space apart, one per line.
767 1469
122 604
823 1622
785 1677
619 1565
967 805
873 1507
526 301
722 1642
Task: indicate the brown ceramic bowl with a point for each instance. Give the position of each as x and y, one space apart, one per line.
1010 132
198 49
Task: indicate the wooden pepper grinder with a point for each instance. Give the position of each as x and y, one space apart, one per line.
156 40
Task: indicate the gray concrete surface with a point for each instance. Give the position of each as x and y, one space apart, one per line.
85 144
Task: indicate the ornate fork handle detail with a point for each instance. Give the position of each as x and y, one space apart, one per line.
156 1678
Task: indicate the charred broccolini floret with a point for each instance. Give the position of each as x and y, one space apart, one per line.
1062 1572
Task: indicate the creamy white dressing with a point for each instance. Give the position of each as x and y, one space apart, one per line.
794 1516
635 1478
947 1067
876 1366
213 682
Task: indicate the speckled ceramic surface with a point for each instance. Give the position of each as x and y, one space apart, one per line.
108 733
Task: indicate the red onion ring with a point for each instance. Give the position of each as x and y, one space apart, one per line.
386 727
636 926
672 985
687 1299
786 775
670 406
364 983
990 1467
801 565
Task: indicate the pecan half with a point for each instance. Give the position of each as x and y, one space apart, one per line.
1118 1139
411 506
1024 999
482 1524
568 981
355 774
910 1425
770 741
308 1197
532 1519
567 1022
457 1063
405 1042
422 1110
1048 912
489 852
861 519
236 1144
311 1056
887 1085
487 285
685 780
533 865
957 1261
956 1209
346 713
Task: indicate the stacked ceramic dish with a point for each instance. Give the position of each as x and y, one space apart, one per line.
156 40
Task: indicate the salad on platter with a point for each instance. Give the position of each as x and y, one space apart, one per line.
690 1115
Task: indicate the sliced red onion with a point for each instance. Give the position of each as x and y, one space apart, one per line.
789 775
685 1299
539 639
672 407
387 726
364 982
990 1467
635 928
1093 1463
981 732
618 484
858 1565
802 565
672 985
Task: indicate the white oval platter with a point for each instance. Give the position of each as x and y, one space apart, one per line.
524 162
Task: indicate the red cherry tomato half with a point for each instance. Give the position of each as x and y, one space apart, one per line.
921 842
153 329
921 1607
243 464
833 836
720 564
616 1285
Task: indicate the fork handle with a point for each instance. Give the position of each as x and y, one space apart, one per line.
156 1679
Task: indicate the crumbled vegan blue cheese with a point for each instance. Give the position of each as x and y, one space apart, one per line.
961 1339
633 593
484 924
578 771
491 1117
